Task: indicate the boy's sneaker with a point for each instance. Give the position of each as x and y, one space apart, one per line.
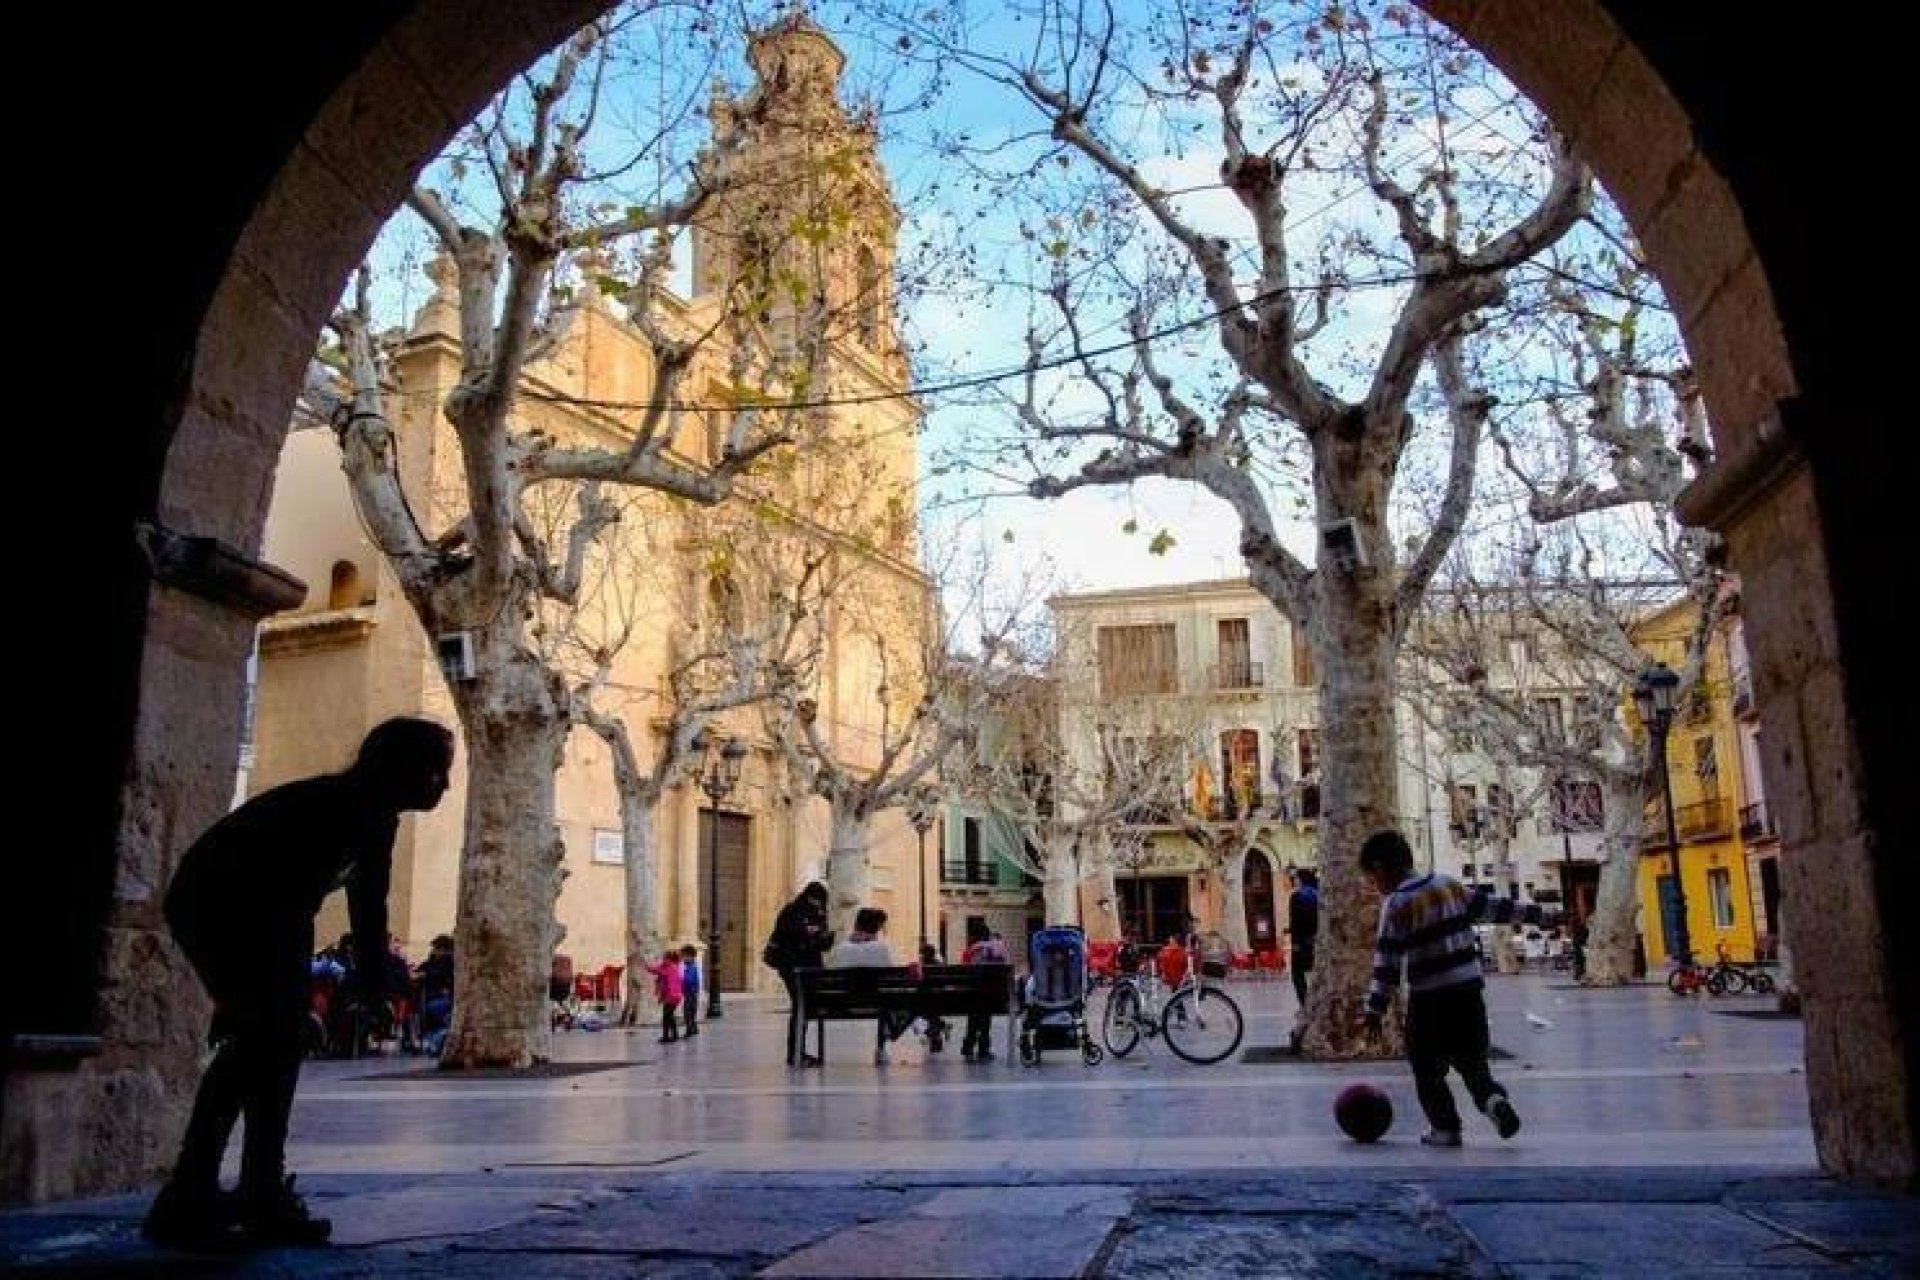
1440 1138
1504 1117
193 1220
282 1218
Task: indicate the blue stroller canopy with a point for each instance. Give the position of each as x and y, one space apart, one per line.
1057 958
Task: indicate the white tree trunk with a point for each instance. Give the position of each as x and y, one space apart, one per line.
511 868
1104 926
1060 883
849 867
644 940
1356 694
1233 899
1503 953
1610 929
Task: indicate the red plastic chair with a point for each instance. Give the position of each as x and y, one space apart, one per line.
607 984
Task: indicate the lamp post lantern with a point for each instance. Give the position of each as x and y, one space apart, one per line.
719 775
1653 698
921 814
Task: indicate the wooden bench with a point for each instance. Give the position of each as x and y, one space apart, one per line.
946 990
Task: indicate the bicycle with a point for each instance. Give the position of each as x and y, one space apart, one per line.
1202 1024
1721 978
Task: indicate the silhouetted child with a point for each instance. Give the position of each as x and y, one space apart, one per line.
667 989
1426 923
241 906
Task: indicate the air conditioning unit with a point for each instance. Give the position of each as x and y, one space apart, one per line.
1343 545
455 651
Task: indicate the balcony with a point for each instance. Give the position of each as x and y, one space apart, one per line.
1743 695
1702 820
980 872
1236 675
1756 823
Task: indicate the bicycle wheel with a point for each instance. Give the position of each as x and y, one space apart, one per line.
1120 1027
1680 981
1762 983
1735 979
1203 1025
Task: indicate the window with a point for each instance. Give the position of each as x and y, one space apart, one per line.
1586 722
1552 719
1500 810
1706 766
1577 805
1235 645
867 305
1309 740
1460 734
1240 770
1519 659
609 847
1302 658
1720 894
1138 660
1463 809
343 588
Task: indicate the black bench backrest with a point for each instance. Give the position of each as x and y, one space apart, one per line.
949 988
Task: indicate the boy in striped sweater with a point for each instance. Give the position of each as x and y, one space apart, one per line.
1426 924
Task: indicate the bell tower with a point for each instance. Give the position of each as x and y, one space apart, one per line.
808 215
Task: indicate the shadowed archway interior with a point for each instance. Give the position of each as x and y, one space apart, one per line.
248 170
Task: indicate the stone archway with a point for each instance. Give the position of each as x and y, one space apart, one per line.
299 153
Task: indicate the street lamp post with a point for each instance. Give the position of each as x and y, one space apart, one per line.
720 774
922 814
1653 698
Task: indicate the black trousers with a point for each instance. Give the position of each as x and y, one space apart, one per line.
1302 966
796 1034
978 1037
1447 1029
258 975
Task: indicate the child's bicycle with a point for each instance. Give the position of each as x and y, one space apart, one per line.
1722 978
1201 1022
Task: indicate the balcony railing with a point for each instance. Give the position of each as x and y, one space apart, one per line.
962 872
1756 823
1702 820
1237 675
1743 694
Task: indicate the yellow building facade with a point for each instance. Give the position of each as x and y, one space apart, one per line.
1724 842
353 653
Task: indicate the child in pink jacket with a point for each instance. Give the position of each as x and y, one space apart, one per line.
666 986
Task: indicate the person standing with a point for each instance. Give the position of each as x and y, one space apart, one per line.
799 940
242 906
1303 927
667 989
1426 925
690 989
976 1044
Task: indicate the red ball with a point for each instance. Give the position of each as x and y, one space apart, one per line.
1363 1112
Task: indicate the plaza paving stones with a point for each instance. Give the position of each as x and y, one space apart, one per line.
1659 1140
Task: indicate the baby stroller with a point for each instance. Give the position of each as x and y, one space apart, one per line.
1054 1012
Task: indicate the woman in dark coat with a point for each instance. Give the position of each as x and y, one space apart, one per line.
800 940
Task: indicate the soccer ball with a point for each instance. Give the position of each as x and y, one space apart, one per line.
1363 1112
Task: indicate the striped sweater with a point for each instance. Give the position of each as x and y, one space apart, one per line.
1427 924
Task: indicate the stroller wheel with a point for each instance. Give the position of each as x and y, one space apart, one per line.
1029 1056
